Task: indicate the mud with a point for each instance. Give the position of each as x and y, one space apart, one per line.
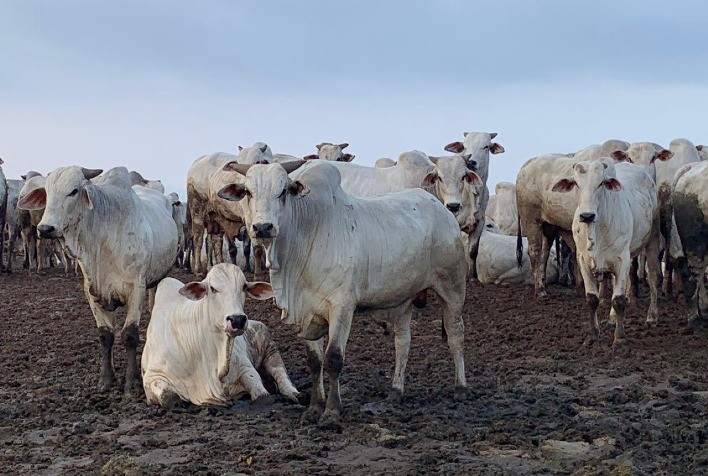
540 402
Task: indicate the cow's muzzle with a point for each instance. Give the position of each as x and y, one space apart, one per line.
47 231
587 217
264 230
235 324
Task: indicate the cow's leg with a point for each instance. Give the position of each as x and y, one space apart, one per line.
231 245
402 330
315 355
26 248
592 299
105 322
130 334
474 252
218 244
151 298
32 242
258 258
273 364
250 379
653 271
339 327
455 330
197 243
11 250
619 298
247 254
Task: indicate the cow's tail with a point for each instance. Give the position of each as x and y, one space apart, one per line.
519 243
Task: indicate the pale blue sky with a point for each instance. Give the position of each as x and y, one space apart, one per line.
154 84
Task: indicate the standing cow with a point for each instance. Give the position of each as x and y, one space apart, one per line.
616 218
124 238
331 254
690 203
201 347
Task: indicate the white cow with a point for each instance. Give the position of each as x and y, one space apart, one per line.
205 211
496 261
3 212
331 254
384 162
502 208
179 215
702 151
690 203
201 347
137 179
331 152
616 218
597 151
684 152
124 238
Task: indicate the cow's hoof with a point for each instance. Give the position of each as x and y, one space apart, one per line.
395 396
312 414
619 346
105 384
651 323
263 400
461 394
169 400
542 296
330 421
296 398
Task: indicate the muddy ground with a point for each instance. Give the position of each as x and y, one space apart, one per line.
540 402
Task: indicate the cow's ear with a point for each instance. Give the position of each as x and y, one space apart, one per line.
455 147
472 178
177 203
298 188
664 155
91 173
348 157
2 161
612 184
240 148
564 185
496 148
264 147
311 157
699 148
430 179
233 192
492 135
194 291
35 200
343 146
258 290
620 156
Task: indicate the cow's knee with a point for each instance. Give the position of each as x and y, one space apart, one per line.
619 304
334 361
130 336
592 300
105 337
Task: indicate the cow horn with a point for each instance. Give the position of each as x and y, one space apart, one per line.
236 167
91 173
292 165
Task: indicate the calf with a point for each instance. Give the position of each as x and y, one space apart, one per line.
616 218
200 346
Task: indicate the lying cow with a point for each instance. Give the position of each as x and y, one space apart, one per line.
331 152
690 203
200 346
124 238
137 179
331 255
617 217
501 208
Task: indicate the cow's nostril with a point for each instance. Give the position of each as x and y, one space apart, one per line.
238 321
453 207
587 217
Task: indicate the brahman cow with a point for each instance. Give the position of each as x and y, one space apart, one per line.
690 204
179 215
702 151
331 254
331 152
124 238
617 217
201 347
501 208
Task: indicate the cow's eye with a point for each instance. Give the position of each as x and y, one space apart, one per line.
282 194
73 192
213 290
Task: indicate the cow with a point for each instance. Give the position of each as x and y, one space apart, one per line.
702 151
201 347
179 215
14 223
684 152
496 261
3 213
501 208
125 240
331 152
137 179
690 204
597 151
331 254
617 216
221 219
384 162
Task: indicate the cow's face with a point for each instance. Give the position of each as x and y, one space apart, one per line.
225 289
258 154
645 154
65 196
458 187
333 152
476 146
592 178
266 193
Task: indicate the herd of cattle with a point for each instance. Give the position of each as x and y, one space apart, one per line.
338 238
